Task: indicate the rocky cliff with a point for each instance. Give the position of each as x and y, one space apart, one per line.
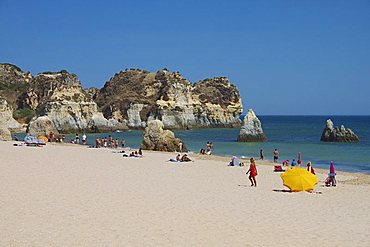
138 96
251 131
335 134
6 117
60 101
130 98
13 83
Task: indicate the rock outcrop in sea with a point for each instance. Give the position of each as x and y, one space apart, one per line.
251 131
155 137
63 106
335 134
138 96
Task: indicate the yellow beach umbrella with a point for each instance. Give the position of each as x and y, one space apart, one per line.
299 179
44 138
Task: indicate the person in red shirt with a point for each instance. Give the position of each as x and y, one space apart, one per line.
51 136
252 173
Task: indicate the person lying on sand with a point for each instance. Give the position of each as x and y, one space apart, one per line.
177 159
185 158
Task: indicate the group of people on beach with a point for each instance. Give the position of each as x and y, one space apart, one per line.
56 137
329 181
208 150
137 154
109 143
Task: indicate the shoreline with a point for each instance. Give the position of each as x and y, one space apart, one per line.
361 178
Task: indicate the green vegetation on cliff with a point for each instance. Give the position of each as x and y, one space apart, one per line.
24 115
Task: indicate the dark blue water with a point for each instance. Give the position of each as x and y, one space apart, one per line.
289 134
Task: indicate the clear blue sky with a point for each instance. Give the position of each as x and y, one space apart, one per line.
286 57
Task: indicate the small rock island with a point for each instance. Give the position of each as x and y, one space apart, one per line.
335 134
251 131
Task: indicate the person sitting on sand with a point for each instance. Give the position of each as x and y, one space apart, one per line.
235 162
285 162
294 163
202 151
330 180
185 158
140 152
310 168
178 158
252 172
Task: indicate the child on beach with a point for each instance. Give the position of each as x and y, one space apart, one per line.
252 173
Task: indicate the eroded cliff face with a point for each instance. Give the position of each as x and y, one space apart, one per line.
6 117
138 96
130 98
13 83
59 98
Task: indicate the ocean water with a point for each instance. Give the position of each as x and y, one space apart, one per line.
289 134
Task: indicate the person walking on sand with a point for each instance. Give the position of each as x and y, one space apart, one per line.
123 142
261 154
276 155
252 172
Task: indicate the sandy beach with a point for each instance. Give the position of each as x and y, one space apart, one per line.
69 195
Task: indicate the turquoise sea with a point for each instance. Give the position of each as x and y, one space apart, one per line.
289 134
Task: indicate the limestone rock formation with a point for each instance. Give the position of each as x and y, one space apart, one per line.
335 134
59 98
13 83
5 134
251 131
42 126
139 96
155 136
6 117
